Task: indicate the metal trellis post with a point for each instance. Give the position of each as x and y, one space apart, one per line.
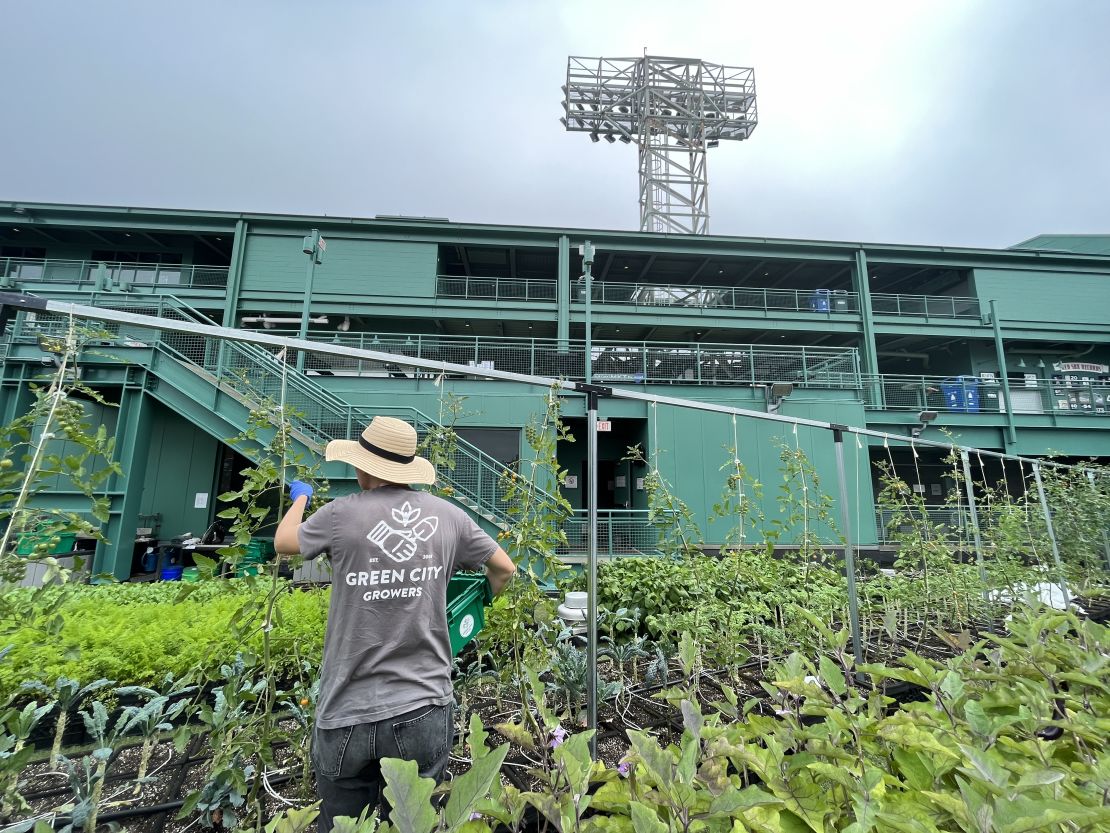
1052 535
849 552
592 392
974 518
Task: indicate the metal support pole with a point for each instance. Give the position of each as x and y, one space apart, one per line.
974 515
587 250
1003 377
849 552
1052 535
313 250
591 569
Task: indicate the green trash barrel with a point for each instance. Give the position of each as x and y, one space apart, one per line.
467 597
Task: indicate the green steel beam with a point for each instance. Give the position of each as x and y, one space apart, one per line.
173 220
562 326
869 351
133 424
1000 354
235 272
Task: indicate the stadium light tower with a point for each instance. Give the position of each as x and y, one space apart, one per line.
674 109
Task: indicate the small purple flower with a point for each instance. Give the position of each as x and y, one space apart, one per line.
475 816
624 767
558 735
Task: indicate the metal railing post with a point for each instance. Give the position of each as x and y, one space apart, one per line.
849 552
591 570
1052 535
973 516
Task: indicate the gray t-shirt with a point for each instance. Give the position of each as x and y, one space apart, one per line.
387 649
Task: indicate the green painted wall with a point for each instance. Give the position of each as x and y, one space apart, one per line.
52 490
276 264
182 463
1048 297
683 436
693 447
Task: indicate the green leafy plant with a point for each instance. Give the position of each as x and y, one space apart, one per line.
51 446
679 534
16 725
66 695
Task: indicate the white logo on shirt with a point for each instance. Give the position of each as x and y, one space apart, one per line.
400 544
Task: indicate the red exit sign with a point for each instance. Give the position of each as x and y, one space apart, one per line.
604 425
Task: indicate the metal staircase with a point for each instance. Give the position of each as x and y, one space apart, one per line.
241 377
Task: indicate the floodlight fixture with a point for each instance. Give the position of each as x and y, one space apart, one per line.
674 109
775 393
923 419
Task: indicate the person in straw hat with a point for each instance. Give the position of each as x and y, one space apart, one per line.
385 683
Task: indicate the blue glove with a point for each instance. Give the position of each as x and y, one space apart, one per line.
298 488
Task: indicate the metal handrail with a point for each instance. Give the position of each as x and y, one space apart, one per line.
619 531
484 492
479 288
929 306
642 294
971 394
952 521
324 416
643 362
119 273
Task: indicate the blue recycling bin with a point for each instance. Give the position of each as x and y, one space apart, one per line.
819 300
961 394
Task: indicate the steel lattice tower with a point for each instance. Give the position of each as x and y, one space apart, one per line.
674 109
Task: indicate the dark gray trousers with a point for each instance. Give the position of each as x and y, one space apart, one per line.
348 774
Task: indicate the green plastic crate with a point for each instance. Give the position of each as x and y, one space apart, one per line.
29 540
259 549
258 552
467 597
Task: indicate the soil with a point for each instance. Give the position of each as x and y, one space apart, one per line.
173 776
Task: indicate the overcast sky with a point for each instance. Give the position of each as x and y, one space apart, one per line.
960 123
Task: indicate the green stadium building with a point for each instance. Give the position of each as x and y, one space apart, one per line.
1009 348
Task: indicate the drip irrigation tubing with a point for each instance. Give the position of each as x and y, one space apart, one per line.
154 809
131 775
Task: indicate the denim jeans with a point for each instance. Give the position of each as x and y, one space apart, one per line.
348 775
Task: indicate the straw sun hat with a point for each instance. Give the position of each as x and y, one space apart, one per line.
386 450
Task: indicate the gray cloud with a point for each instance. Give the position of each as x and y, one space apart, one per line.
933 122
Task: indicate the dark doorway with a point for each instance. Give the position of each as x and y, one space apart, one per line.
606 480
